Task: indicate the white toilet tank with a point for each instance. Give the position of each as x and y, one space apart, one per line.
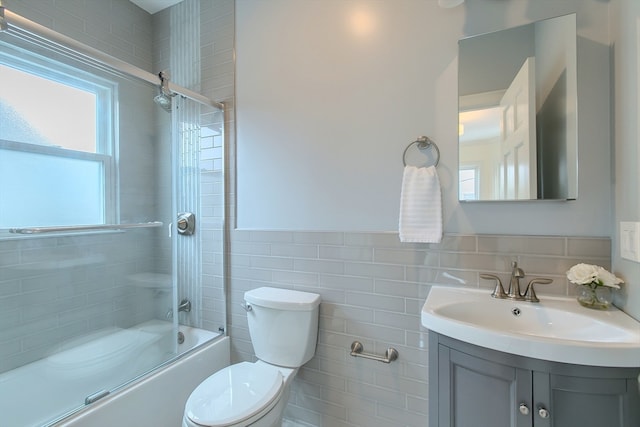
283 324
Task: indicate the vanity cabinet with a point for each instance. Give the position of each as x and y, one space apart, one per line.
471 386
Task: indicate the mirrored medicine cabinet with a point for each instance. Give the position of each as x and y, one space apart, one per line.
518 113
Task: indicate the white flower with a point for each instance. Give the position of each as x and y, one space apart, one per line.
582 274
585 274
608 279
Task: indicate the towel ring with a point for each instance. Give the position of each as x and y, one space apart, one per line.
423 142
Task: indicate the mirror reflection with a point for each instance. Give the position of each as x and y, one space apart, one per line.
517 113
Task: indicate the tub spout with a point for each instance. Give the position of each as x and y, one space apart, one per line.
185 305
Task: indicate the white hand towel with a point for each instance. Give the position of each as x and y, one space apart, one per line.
420 206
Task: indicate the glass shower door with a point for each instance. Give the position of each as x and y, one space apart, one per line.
88 300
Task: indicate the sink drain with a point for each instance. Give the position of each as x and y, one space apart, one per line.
516 311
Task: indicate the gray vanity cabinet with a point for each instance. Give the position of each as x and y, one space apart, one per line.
477 392
471 386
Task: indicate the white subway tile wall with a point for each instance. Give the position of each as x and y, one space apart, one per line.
377 300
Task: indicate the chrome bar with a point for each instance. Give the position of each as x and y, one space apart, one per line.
389 356
10 21
97 227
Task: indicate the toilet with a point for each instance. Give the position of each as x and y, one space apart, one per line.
283 325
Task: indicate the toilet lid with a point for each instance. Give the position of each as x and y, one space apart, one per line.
233 394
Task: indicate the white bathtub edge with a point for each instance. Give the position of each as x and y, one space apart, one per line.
159 399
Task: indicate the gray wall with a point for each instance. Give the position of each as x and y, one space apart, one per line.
626 148
324 116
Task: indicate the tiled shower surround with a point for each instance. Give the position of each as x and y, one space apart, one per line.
372 289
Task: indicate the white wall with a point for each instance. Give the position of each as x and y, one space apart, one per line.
625 25
324 113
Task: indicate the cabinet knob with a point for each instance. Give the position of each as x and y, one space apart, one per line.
524 409
543 412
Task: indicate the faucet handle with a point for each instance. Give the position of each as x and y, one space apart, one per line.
498 292
530 293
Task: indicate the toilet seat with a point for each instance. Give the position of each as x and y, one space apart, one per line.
235 396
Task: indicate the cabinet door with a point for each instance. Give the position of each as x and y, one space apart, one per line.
585 402
476 392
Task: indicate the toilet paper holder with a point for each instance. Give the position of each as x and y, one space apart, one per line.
357 350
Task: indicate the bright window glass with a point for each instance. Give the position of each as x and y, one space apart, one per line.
71 195
41 111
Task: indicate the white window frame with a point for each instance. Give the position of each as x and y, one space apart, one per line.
106 92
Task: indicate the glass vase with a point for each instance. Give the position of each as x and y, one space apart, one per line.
597 297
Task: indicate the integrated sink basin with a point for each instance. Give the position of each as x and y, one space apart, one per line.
557 328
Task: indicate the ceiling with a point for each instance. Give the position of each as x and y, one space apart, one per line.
153 6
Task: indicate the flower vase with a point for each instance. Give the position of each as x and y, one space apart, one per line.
593 296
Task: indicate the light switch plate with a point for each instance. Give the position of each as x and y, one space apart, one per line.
630 240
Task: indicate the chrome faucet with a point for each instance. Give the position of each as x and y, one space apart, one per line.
513 292
514 284
185 305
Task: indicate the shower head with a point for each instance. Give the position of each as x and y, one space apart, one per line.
163 99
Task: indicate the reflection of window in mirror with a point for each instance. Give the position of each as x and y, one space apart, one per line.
469 183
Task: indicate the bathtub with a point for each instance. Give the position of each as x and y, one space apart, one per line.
156 399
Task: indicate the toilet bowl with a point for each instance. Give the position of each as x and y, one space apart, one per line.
240 395
283 325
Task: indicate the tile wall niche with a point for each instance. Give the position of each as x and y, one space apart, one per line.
372 289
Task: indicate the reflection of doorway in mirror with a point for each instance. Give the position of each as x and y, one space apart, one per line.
518 143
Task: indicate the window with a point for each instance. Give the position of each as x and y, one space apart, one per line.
57 158
468 184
